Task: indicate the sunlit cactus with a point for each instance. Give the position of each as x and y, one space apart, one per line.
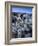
22 25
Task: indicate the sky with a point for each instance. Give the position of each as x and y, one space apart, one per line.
22 9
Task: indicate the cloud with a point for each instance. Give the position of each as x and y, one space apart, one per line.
22 10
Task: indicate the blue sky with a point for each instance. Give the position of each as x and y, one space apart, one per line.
22 9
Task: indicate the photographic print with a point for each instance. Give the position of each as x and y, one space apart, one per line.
21 21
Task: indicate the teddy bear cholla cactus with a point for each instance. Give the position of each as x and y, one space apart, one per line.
21 24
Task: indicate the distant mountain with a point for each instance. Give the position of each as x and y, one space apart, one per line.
20 13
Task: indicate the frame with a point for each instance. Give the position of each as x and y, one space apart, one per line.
8 33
